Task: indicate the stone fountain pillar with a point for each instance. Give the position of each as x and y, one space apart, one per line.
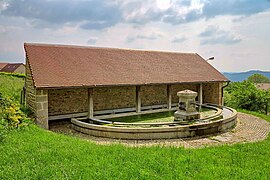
187 109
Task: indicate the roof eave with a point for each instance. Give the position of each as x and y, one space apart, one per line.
115 85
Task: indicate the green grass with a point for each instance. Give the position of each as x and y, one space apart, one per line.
11 85
35 153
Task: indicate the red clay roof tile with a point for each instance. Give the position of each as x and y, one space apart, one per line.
74 66
2 65
263 86
11 67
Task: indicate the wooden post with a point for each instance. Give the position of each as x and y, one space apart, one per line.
200 97
169 97
201 94
90 103
220 95
138 99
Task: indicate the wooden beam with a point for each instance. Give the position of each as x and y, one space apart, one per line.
90 103
200 94
138 99
133 113
67 116
169 97
121 112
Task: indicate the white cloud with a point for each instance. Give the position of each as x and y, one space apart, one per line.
144 24
178 39
152 36
92 40
3 5
214 35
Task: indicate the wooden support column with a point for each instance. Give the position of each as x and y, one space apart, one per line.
138 99
200 94
90 103
169 97
220 94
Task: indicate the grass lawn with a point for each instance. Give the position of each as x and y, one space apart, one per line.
34 153
11 86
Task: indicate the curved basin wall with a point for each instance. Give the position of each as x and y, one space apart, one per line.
184 131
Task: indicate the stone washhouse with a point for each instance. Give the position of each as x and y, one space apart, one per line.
65 81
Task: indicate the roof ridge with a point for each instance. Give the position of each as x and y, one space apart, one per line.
14 63
99 47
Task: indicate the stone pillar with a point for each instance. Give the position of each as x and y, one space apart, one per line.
90 103
42 108
169 97
138 99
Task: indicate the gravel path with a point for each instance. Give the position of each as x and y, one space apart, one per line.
249 129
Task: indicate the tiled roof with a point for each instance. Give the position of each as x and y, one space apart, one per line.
75 66
263 86
2 65
11 67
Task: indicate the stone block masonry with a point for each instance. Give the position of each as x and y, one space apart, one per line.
153 95
67 101
30 93
180 87
212 93
42 108
105 98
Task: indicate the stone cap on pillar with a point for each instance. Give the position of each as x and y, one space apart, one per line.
187 93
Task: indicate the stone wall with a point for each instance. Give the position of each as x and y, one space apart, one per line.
212 93
114 97
30 93
153 95
20 69
180 87
66 101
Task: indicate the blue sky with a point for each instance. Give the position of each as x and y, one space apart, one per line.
235 32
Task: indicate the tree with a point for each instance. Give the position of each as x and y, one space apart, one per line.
258 78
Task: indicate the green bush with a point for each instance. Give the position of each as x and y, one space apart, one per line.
26 110
245 95
11 116
13 74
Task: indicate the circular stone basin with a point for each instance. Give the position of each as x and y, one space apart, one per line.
160 130
156 119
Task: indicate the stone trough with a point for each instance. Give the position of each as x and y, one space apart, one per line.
166 130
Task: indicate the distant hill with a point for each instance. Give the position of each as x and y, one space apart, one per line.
241 76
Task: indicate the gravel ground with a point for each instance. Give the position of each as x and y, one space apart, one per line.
249 129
